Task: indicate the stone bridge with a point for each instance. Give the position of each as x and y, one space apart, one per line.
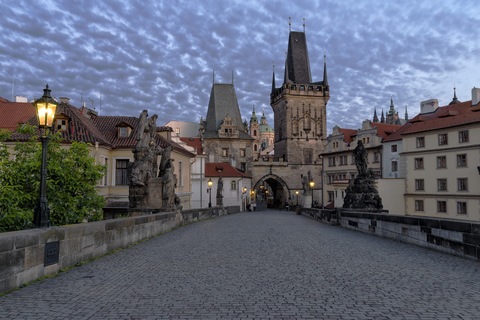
260 265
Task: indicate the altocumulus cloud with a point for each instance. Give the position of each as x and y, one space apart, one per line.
159 55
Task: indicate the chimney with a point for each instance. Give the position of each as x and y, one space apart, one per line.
20 99
428 106
475 96
64 99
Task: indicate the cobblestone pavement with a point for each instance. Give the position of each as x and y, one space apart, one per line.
261 265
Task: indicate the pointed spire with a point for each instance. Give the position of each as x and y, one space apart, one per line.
290 24
375 117
382 119
392 108
406 113
325 79
455 100
232 76
273 78
213 76
303 25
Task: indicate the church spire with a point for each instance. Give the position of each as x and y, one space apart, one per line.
392 108
375 117
406 113
325 80
382 119
273 79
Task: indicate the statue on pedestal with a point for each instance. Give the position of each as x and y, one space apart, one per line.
147 190
220 192
361 192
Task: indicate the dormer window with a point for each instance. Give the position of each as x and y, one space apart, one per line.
61 124
123 132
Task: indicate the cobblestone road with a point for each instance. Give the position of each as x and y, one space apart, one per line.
261 265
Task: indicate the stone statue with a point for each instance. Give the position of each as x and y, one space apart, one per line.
306 183
148 189
360 154
169 185
165 153
220 187
146 130
361 192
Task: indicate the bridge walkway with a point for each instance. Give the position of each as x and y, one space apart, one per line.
261 265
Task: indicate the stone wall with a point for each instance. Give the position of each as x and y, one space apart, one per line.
24 256
450 236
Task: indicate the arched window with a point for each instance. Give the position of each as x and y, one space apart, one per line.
254 133
233 185
254 147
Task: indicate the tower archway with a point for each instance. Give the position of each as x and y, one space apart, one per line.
273 189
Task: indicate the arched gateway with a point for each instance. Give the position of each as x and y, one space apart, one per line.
273 188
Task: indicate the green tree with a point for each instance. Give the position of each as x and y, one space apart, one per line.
71 178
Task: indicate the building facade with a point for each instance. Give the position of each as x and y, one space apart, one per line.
441 151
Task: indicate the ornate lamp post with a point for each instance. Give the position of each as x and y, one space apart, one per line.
46 108
244 193
312 184
296 192
210 184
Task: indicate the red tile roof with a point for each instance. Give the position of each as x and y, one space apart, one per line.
384 129
397 135
14 113
224 170
348 134
109 126
195 143
445 117
101 129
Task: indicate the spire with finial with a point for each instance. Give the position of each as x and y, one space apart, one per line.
325 79
406 113
392 108
382 119
290 24
455 100
375 117
303 25
273 78
253 118
232 76
213 76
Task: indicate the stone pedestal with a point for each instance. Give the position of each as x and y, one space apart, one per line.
362 194
307 201
219 201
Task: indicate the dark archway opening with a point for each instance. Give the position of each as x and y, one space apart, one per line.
271 192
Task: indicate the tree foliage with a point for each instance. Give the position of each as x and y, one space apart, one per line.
72 174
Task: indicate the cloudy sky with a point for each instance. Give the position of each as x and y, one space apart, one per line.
126 56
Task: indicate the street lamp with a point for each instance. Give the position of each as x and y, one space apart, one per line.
210 184
244 195
312 184
46 108
296 192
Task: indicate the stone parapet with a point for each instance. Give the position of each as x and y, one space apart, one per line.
31 254
456 237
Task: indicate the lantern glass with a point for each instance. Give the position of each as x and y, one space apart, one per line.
312 184
46 108
210 183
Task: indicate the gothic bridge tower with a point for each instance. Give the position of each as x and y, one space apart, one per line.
299 106
300 124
